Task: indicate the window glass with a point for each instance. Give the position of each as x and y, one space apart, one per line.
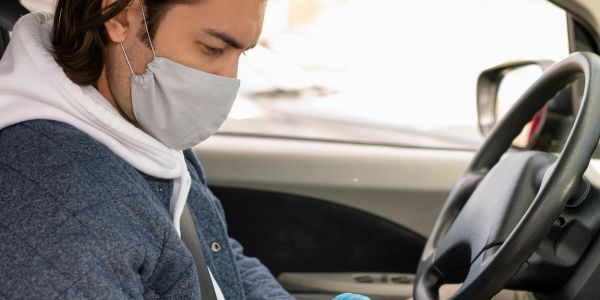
380 71
388 72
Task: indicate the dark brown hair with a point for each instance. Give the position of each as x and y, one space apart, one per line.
80 38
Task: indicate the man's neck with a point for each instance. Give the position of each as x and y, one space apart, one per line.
104 88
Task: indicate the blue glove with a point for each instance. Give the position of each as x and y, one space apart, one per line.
349 296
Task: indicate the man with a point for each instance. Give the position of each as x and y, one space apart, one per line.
96 105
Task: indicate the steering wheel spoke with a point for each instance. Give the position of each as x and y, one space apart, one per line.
429 278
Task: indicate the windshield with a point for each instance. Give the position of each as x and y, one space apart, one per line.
386 71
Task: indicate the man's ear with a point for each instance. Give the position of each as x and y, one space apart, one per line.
119 26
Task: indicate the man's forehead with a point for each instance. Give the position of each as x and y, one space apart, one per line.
236 22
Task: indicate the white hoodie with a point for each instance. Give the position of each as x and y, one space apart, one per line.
33 86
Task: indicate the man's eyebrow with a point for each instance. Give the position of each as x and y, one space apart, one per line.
227 39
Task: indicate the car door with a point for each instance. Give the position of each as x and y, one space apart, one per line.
323 207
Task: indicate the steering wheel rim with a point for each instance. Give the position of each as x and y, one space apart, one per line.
494 266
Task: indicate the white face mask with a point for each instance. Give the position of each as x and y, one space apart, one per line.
178 105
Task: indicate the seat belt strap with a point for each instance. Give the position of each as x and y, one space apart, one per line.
189 235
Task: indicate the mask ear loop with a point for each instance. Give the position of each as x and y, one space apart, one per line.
127 59
147 30
147 34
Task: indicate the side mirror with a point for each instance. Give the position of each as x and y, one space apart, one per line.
499 87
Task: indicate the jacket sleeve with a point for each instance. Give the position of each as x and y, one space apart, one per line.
258 282
76 224
47 253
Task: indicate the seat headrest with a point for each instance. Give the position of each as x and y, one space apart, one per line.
10 12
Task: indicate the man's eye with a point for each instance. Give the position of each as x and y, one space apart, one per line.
216 52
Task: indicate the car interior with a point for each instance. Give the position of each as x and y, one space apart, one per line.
395 222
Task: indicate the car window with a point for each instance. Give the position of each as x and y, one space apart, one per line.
387 72
383 72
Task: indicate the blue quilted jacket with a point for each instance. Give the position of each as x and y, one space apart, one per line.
78 222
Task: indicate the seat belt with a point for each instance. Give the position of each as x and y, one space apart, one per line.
189 235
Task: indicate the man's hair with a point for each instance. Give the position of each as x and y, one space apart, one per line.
80 38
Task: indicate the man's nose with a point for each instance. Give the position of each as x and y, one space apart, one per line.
230 67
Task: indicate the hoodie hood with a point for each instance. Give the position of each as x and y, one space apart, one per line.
33 86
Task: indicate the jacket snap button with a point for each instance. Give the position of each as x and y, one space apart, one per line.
215 247
160 189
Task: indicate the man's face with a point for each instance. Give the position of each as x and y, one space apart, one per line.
209 35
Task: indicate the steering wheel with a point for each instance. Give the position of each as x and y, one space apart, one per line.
501 209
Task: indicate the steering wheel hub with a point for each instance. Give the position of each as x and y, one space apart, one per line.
493 210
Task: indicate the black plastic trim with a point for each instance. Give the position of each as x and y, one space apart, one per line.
10 12
291 233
